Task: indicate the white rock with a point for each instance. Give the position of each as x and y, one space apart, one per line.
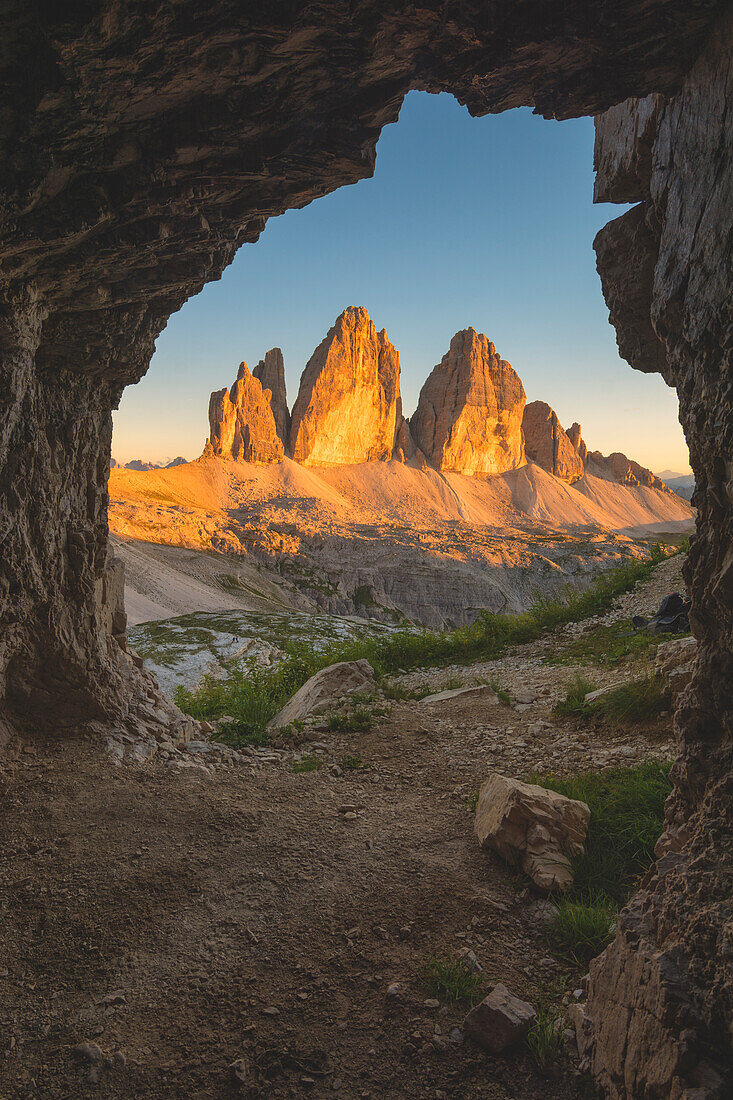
532 827
325 689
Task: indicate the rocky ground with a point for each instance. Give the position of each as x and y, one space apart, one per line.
208 907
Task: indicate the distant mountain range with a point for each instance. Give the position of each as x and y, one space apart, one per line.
681 484
139 464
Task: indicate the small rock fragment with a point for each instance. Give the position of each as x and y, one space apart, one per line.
499 1020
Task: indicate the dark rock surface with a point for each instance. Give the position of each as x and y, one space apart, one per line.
661 997
142 144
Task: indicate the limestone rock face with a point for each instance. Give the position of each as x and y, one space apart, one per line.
617 467
325 689
270 371
574 435
469 416
349 407
533 827
242 423
548 445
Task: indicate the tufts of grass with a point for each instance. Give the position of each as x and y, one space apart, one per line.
581 929
627 815
307 764
574 701
609 645
352 762
452 980
636 702
397 691
501 693
544 1038
355 720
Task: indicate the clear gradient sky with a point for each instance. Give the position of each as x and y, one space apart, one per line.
486 222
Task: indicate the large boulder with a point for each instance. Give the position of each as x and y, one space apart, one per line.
548 444
500 1020
324 690
348 407
469 416
533 828
241 422
270 371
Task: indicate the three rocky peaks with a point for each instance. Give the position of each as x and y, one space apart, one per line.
471 418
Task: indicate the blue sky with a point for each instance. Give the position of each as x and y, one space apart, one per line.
486 222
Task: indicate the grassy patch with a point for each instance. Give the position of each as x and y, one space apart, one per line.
634 703
307 764
638 701
501 693
544 1038
574 701
397 691
581 929
252 698
609 645
627 814
352 762
452 980
354 720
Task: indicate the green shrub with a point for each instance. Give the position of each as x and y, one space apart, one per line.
452 980
307 764
608 645
352 762
501 693
636 702
544 1038
581 929
357 720
627 815
574 701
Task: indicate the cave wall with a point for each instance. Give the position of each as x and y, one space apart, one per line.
660 1012
142 143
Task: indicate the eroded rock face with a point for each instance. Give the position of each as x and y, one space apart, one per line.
469 416
617 467
242 424
547 443
575 436
661 996
270 371
348 407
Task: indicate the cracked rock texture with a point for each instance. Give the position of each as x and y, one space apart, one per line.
469 416
348 407
547 443
660 1008
241 422
142 144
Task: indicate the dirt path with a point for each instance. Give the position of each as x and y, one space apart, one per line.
188 918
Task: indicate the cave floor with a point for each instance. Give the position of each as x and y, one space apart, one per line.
192 917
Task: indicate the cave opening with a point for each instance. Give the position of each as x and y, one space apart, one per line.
143 147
